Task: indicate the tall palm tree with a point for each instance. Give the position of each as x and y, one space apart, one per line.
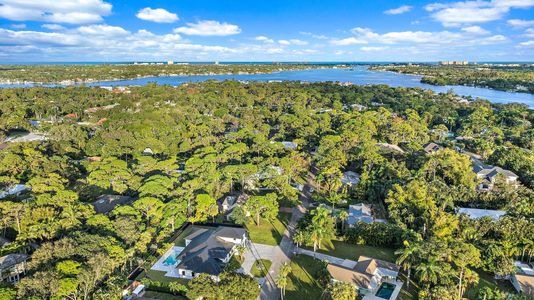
428 271
281 281
299 238
407 257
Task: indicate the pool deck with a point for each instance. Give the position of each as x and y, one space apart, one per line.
170 271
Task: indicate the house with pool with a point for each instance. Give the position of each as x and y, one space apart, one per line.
375 279
205 250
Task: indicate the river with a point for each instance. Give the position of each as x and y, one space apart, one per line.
357 75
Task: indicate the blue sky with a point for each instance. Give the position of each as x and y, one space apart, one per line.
274 30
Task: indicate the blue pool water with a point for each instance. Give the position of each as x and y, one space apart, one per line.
357 75
386 290
171 259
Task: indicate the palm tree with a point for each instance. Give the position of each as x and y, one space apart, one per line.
343 216
281 281
407 257
428 271
321 226
299 238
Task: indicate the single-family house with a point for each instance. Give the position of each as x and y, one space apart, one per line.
228 203
390 147
476 213
4 241
290 145
360 213
208 250
432 148
106 203
488 175
12 266
367 275
523 279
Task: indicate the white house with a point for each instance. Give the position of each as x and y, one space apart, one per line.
360 213
12 266
487 175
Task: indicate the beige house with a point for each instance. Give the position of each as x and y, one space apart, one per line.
367 275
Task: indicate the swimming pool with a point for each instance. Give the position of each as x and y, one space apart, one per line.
171 259
386 290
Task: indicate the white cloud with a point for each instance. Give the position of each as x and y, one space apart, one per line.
103 30
471 12
264 39
529 33
56 11
369 49
399 10
295 42
475 30
207 28
158 15
315 36
18 26
527 44
520 23
55 27
348 41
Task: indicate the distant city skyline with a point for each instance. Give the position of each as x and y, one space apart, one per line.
351 31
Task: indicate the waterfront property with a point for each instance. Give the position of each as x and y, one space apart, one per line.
371 277
12 266
523 280
207 250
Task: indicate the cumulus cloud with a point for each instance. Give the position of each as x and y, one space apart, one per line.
529 33
207 28
55 27
527 44
347 41
315 36
399 10
470 12
55 11
295 42
468 36
158 15
101 42
475 30
264 39
520 23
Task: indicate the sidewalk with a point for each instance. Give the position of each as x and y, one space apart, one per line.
347 263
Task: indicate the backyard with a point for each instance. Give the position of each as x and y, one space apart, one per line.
269 233
303 282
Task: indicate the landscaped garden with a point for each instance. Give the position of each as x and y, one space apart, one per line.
260 268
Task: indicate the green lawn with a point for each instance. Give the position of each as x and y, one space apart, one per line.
160 276
269 233
303 282
350 251
486 279
257 270
162 296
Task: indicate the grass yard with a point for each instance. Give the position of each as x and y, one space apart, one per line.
487 280
162 296
350 251
258 271
303 282
160 276
269 233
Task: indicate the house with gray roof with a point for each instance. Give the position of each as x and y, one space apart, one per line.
207 250
360 213
432 148
12 266
488 175
106 203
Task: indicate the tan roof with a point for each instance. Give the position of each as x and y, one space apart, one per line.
526 283
369 265
350 276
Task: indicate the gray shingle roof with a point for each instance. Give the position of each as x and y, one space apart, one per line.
207 249
106 203
12 259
